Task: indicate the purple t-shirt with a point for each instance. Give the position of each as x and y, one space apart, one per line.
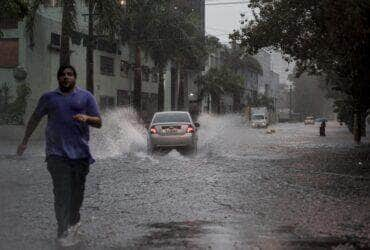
66 137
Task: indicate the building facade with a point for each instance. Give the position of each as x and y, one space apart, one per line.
35 65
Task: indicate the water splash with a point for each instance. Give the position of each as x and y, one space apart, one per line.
121 134
213 128
219 133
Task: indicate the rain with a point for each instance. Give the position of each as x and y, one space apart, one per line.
269 149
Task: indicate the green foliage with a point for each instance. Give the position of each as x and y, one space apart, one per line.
166 32
263 101
219 81
108 18
31 18
212 44
13 9
237 59
309 31
309 96
12 112
330 37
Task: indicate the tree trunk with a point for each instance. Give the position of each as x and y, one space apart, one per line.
161 89
67 27
357 126
177 92
137 80
215 104
185 91
357 119
90 51
180 100
182 103
236 102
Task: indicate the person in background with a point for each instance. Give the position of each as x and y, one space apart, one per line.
322 128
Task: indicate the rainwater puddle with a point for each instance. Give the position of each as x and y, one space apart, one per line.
200 234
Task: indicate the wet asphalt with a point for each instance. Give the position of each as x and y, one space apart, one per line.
244 189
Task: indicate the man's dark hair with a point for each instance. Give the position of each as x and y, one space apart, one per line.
63 67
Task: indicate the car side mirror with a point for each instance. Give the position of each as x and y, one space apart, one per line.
197 124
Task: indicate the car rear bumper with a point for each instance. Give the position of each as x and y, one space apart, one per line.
259 125
172 141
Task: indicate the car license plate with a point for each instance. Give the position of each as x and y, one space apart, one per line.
170 130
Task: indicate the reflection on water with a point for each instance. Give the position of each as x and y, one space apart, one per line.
200 234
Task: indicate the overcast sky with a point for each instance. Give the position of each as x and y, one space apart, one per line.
222 19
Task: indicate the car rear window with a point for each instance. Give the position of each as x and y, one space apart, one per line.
258 117
171 117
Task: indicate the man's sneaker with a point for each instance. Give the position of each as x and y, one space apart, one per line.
75 229
70 238
68 241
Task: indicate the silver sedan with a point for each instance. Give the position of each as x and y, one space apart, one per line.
172 130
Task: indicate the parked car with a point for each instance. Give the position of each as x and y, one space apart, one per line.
172 130
309 120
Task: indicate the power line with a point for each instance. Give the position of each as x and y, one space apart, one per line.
227 3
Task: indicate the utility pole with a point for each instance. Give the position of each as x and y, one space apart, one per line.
290 101
90 50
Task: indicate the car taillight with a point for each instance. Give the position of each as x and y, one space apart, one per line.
190 129
153 130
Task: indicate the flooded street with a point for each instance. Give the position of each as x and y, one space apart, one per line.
244 189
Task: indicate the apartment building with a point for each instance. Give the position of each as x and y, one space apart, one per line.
35 65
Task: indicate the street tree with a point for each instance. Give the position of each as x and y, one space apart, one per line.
329 37
190 52
164 46
139 20
219 81
10 9
310 97
163 30
236 58
104 20
68 26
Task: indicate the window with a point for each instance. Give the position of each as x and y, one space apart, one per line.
106 102
145 73
171 117
106 65
106 46
55 40
125 67
154 75
9 52
123 98
8 23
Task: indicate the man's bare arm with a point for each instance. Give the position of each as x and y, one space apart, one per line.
32 124
94 121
